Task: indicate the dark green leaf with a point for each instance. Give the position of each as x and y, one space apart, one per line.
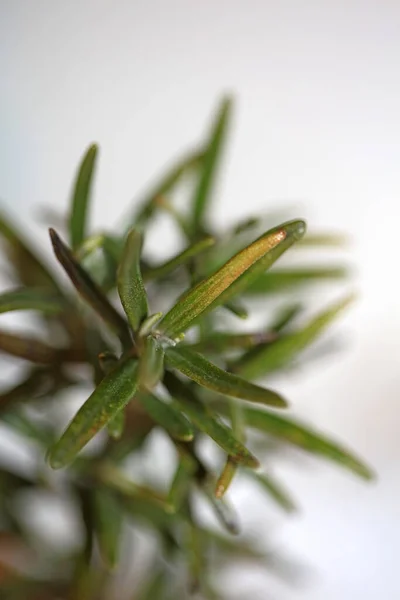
41 300
180 259
108 520
208 423
281 353
211 163
199 369
167 416
81 196
116 426
278 281
130 284
110 396
88 289
232 278
181 482
299 435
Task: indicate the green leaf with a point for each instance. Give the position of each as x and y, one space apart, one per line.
167 416
211 163
208 423
111 395
237 309
88 289
168 181
108 521
41 300
180 259
304 437
129 280
81 196
30 269
116 426
151 363
149 323
280 353
273 489
232 278
224 512
219 342
230 469
199 369
278 281
181 482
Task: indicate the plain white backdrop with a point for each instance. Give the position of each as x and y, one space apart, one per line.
317 128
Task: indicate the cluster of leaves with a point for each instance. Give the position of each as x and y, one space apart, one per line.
147 375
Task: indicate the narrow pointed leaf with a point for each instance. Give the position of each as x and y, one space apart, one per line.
88 289
219 342
151 363
108 521
30 269
236 309
181 482
130 284
306 438
115 426
81 197
111 395
274 490
210 163
226 477
149 323
280 353
285 317
232 278
180 259
40 300
278 281
208 423
199 369
230 469
167 416
224 512
166 184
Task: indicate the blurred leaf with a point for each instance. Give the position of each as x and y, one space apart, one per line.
199 369
155 586
81 196
236 309
130 284
165 185
284 318
31 299
167 416
207 422
151 363
110 396
115 427
181 482
277 281
27 348
230 469
88 289
21 423
226 477
325 239
281 353
108 520
30 269
220 287
223 510
220 341
304 437
273 489
180 259
210 164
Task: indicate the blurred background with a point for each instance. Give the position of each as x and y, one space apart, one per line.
316 133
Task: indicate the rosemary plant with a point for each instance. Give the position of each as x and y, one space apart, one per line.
181 372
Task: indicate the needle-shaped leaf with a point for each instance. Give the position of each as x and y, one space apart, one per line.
199 369
151 363
230 469
306 438
167 416
231 278
41 300
148 205
30 269
280 353
223 510
108 521
115 426
180 259
282 280
210 163
81 196
111 395
220 341
181 482
129 280
207 422
88 289
274 489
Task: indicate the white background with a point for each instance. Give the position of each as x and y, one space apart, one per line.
317 127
